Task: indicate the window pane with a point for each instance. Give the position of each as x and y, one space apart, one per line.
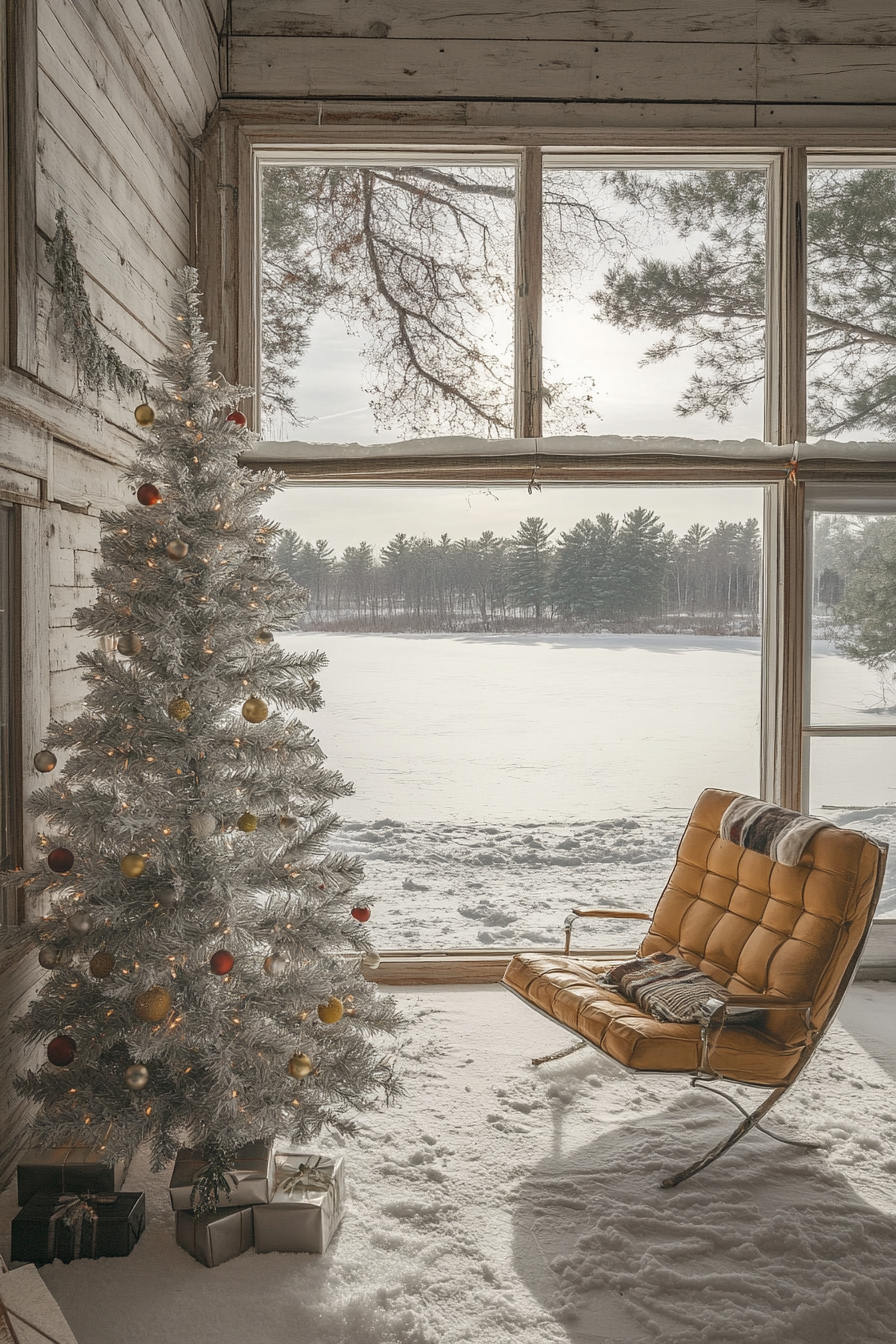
522 734
853 781
852 303
387 301
654 302
853 619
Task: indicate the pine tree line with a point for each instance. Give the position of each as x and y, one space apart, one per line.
628 575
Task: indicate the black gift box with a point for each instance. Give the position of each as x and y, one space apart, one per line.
61 1227
212 1238
71 1169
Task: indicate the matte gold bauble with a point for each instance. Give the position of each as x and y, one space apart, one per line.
299 1066
101 965
248 822
136 1076
255 710
275 964
153 1004
144 415
132 865
177 550
331 1011
45 761
264 637
179 708
130 645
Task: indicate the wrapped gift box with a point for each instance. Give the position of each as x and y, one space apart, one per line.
306 1206
75 1227
250 1181
212 1238
70 1170
29 1313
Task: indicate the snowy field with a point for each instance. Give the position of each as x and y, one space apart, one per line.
499 780
498 1203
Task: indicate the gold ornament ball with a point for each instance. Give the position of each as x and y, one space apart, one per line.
45 761
153 1004
275 964
179 708
130 645
264 637
101 965
248 822
132 865
144 415
255 710
331 1011
136 1076
299 1066
177 550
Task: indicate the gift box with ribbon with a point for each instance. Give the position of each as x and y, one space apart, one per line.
77 1227
73 1169
248 1181
306 1205
212 1238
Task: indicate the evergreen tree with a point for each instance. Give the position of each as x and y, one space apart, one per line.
584 582
195 918
530 565
640 557
866 616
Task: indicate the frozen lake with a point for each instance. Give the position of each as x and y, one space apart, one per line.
498 779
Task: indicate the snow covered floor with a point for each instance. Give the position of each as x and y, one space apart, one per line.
498 1203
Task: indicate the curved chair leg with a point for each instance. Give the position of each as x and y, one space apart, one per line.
751 1121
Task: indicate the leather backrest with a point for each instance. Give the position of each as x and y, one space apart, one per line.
760 927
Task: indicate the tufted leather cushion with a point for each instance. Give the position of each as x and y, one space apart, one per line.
755 926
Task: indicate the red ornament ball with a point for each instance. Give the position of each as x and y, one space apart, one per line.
237 418
361 913
61 1051
149 494
221 962
61 860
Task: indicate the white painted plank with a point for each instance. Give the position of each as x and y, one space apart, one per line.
23 447
844 74
345 67
20 396
155 43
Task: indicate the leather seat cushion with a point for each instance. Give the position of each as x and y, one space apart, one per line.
565 989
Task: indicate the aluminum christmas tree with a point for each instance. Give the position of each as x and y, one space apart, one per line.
204 982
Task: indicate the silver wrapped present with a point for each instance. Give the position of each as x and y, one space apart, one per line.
212 1238
29 1313
306 1207
250 1180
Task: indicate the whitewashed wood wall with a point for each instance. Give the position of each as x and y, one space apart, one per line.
108 97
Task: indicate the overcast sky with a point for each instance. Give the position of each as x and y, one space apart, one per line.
345 515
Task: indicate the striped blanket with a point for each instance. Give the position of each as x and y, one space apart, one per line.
780 834
667 987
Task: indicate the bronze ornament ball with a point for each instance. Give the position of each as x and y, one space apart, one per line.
136 1076
130 645
255 710
179 708
60 860
149 494
153 1004
166 896
288 824
300 1065
101 965
275 964
144 415
132 865
48 957
331 1011
248 822
45 761
80 922
221 962
264 637
177 550
61 1051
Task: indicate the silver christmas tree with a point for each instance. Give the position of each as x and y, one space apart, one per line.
204 983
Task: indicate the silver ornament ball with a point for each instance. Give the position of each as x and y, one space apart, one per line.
275 964
203 824
45 761
136 1076
80 922
48 957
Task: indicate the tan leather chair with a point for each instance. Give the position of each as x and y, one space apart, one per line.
786 940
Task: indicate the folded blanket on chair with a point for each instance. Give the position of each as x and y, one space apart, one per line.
667 987
780 834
